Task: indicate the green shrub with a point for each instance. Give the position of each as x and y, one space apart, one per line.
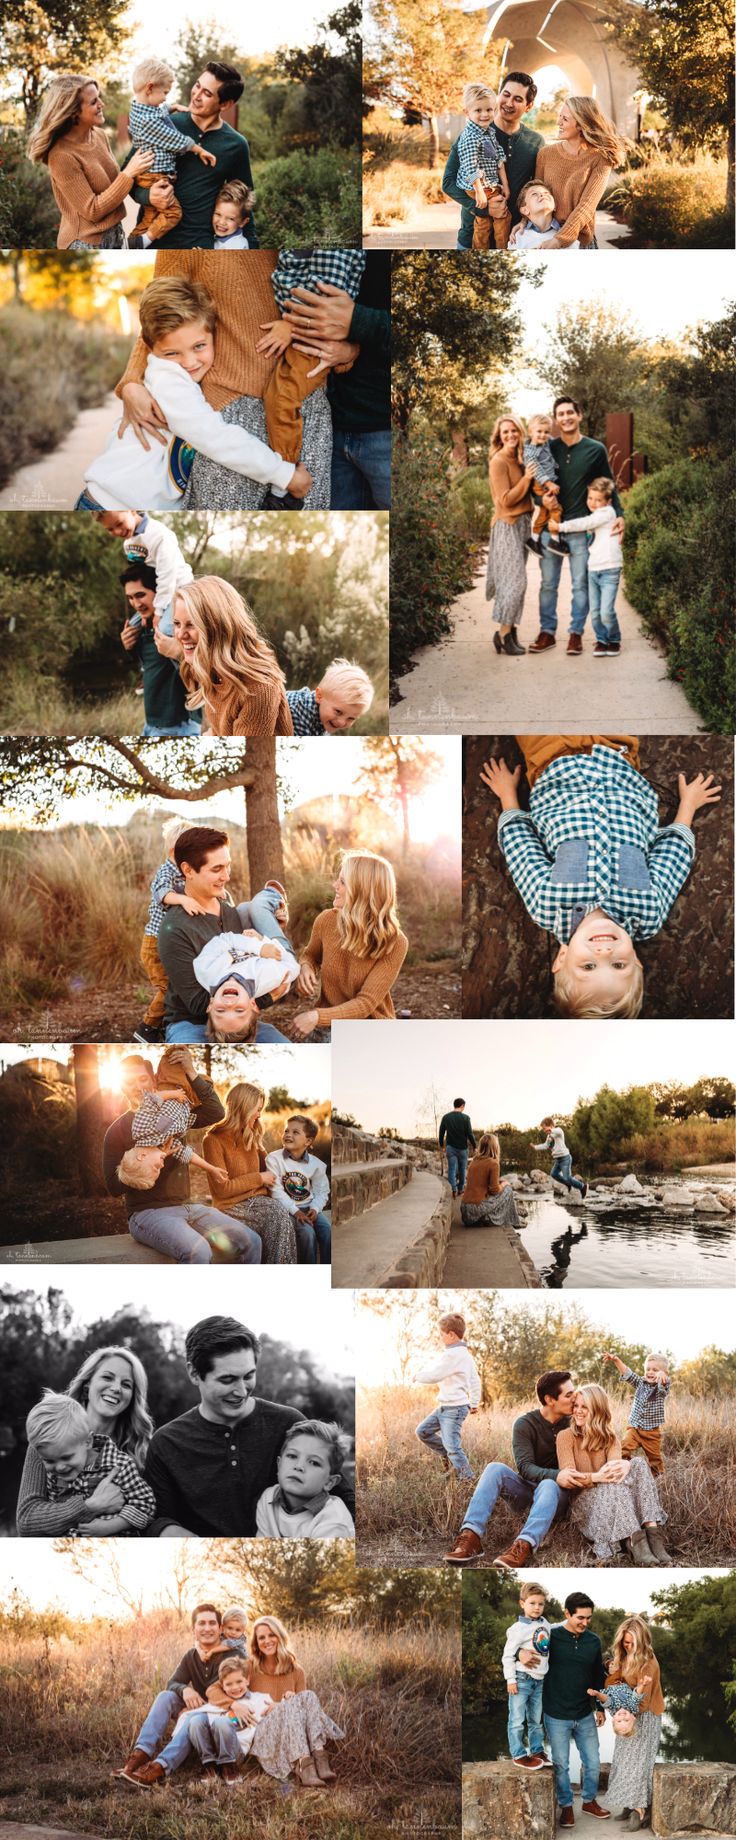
678 554
431 549
51 366
309 198
675 203
29 214
473 496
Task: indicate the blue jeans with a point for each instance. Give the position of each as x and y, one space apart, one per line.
442 1432
312 1237
585 1733
361 471
183 1233
561 1171
526 1705
551 566
216 1743
86 503
545 1501
457 1168
602 591
166 1706
184 728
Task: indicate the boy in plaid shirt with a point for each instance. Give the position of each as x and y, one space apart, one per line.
590 861
646 1418
150 126
482 165
76 1458
296 374
343 693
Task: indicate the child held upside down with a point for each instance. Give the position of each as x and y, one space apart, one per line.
590 861
623 1702
161 1123
240 969
296 374
482 166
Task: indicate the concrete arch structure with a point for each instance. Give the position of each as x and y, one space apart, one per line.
570 33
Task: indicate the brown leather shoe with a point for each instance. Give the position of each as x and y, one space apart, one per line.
543 642
527 1763
467 1547
601 1814
230 1774
567 1818
574 645
517 1555
134 1762
150 1777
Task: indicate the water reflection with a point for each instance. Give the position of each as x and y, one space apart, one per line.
693 1731
583 1251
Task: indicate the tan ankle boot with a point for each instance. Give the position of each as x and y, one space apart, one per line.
306 1774
321 1764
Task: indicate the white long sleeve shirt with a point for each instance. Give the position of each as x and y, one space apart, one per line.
126 475
554 1142
605 550
301 1182
274 1521
524 1633
155 543
457 1376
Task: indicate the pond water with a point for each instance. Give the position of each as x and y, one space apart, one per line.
693 1731
581 1250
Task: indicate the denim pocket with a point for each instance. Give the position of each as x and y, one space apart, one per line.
571 861
633 869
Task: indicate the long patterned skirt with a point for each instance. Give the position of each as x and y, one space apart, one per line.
613 1511
632 1769
291 1730
506 572
497 1211
273 1225
213 487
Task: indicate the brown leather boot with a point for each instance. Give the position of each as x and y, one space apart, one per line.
306 1774
230 1774
567 1818
515 1556
151 1776
134 1762
543 642
321 1764
466 1548
601 1814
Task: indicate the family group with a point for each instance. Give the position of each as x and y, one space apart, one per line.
486 1201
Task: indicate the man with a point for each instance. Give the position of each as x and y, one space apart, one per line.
575 1664
579 460
203 855
537 1483
186 1691
164 695
520 146
174 1223
341 331
456 1137
197 185
208 1468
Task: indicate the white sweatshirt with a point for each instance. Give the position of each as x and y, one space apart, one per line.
555 1142
235 955
605 549
300 1182
457 1375
522 1634
126 475
156 544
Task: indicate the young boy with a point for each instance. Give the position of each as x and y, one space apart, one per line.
343 693
459 1394
590 861
255 965
301 1506
150 126
76 1459
161 1122
482 165
168 889
562 1160
302 1186
537 219
296 374
529 1635
230 1697
232 214
646 1418
234 1629
178 321
538 454
605 562
146 539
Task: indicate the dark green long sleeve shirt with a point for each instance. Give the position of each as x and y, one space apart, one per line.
576 467
360 399
534 1444
457 1129
197 185
575 1664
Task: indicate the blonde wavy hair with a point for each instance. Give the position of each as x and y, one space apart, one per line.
630 1667
285 1657
58 113
496 442
133 1427
368 924
596 129
230 648
489 1146
240 1105
598 1434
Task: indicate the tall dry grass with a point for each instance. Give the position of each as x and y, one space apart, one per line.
406 1507
73 1709
31 704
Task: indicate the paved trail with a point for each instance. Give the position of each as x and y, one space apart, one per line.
54 483
435 226
463 685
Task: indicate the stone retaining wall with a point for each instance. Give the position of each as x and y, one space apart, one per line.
358 1186
694 1798
423 1263
351 1146
690 1801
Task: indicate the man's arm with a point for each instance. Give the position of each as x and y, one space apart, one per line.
371 326
118 1139
170 1509
470 1137
443 1130
522 1445
177 954
209 1110
450 185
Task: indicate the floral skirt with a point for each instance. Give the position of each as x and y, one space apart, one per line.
496 1211
613 1511
110 239
272 1224
212 487
632 1769
506 573
291 1730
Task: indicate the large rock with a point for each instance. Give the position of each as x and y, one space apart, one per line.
677 1197
708 1204
501 1802
630 1186
727 1199
539 1178
694 1798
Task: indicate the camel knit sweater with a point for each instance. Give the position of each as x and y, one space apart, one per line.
240 285
510 491
652 1699
351 987
276 1684
577 186
572 1454
260 711
88 187
242 1167
481 1180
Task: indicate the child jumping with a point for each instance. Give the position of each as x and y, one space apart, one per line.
605 562
301 1505
646 1418
343 694
590 861
76 1459
561 1170
459 1394
232 214
482 166
529 1635
150 127
539 459
296 374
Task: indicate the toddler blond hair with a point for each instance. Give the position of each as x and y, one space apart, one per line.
475 92
134 1170
151 70
349 681
570 1001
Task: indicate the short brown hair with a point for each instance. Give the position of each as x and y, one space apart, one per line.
454 1324
310 1129
174 301
199 1608
196 844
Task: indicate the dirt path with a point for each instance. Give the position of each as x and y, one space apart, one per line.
435 226
54 483
453 685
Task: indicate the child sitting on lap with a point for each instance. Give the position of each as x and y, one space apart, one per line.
343 694
232 214
482 166
161 1122
301 1505
150 127
230 1697
76 1459
296 374
537 220
539 458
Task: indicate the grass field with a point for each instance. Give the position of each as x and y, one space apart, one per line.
407 1508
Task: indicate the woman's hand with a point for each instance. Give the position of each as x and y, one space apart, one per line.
143 414
107 1498
306 1023
333 354
328 313
268 1178
307 980
615 1471
139 162
288 1695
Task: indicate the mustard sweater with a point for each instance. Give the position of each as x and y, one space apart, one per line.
351 987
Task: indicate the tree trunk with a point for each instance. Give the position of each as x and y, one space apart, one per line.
434 141
459 448
265 854
90 1120
17 287
730 198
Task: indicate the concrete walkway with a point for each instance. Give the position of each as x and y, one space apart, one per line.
435 226
489 1258
54 483
463 686
365 1250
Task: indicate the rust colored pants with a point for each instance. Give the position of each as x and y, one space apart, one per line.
544 519
286 390
155 223
482 228
649 1441
540 750
156 976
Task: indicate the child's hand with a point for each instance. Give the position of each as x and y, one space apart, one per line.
512 1687
208 159
279 335
300 481
269 950
646 1681
189 904
500 780
694 793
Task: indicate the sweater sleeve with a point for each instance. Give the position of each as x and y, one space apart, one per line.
75 189
505 495
256 713
234 1187
320 1186
565 1452
378 983
189 415
510 1651
35 1515
524 1458
312 954
582 215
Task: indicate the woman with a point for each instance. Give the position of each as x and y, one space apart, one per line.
244 299
111 1384
618 1500
236 1147
486 1201
228 669
632 1770
356 949
292 1736
510 483
577 168
89 189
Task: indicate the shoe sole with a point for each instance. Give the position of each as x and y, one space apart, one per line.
471 1560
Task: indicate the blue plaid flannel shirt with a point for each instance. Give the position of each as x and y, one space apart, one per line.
343 268
622 1698
305 712
591 838
647 1409
151 127
167 880
540 456
479 151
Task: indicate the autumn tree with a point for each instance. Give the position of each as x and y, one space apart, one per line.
685 55
398 770
421 57
454 327
40 40
596 354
